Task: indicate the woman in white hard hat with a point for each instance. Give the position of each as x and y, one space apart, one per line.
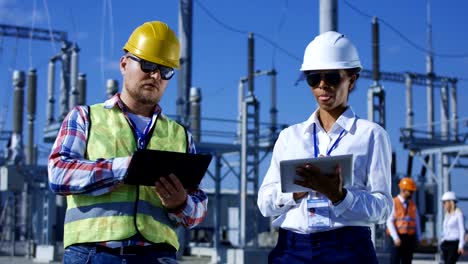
453 229
338 231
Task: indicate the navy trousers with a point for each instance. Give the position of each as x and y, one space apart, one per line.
343 245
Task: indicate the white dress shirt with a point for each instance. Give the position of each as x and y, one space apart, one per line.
391 222
367 201
454 228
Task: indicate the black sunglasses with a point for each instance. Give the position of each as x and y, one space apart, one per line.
150 67
332 78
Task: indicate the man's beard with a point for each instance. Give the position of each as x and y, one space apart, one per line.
142 97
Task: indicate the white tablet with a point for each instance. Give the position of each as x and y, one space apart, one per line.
326 164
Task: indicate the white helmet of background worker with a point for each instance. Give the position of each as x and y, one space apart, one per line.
449 196
330 50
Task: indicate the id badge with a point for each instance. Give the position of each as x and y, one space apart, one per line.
318 212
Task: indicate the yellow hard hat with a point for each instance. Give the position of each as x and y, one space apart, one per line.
154 41
407 184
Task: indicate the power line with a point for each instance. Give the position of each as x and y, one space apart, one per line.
72 20
226 26
401 35
289 54
103 26
111 25
54 48
232 29
282 21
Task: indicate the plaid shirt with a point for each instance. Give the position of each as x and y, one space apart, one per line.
70 173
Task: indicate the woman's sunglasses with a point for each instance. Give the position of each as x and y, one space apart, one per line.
150 67
332 78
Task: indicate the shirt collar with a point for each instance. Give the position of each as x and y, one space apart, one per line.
345 121
402 200
116 101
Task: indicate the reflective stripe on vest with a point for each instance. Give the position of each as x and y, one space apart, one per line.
119 214
405 222
116 209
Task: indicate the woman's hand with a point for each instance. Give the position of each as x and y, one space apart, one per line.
299 195
328 184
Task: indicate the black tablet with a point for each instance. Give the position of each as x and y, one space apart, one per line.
147 166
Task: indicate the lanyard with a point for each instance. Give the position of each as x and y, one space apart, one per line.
335 144
142 137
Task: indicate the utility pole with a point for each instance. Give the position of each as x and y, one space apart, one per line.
328 15
376 92
430 73
430 116
249 144
184 78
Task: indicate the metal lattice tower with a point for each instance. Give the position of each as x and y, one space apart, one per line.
249 159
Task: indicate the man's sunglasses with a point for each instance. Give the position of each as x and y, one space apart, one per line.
150 67
332 78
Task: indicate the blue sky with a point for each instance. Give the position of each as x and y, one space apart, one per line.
100 28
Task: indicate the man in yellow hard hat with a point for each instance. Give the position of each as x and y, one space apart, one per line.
403 225
107 220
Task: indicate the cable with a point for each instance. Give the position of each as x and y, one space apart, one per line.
243 32
54 48
111 25
72 18
103 22
219 21
280 26
289 54
401 35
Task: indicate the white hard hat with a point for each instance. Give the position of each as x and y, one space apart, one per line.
330 50
449 196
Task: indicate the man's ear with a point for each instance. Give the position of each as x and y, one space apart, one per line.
123 64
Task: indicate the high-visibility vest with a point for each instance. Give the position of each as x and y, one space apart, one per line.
129 209
405 219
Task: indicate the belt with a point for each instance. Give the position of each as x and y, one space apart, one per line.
132 250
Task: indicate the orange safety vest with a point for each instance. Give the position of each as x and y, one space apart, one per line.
405 219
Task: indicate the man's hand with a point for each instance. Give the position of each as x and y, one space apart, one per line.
171 191
328 184
461 251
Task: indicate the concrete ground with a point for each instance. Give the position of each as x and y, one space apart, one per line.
204 258
24 260
185 260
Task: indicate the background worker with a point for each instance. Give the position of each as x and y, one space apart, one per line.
338 229
453 230
403 225
108 221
